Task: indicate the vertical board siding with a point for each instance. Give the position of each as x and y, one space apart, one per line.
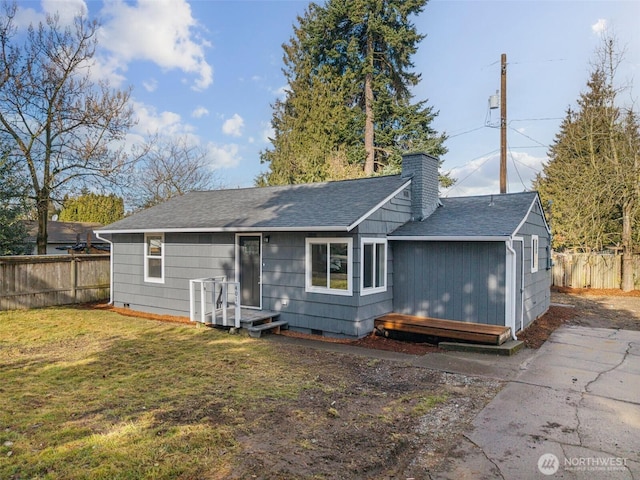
461 281
42 281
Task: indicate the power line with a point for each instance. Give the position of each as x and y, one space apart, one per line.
513 160
467 131
459 182
525 165
534 119
527 136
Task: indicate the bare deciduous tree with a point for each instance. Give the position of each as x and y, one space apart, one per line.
60 124
171 167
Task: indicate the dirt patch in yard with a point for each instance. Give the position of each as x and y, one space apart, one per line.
585 307
364 418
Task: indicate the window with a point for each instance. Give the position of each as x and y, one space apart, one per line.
328 265
374 265
534 253
154 257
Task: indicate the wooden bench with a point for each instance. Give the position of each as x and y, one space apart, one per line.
472 332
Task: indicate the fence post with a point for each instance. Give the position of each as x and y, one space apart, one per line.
74 279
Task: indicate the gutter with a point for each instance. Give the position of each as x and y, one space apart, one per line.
449 238
110 264
258 229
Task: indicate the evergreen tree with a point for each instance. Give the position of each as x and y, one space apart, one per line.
348 110
92 207
13 206
591 183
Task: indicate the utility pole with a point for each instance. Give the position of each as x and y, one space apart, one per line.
503 123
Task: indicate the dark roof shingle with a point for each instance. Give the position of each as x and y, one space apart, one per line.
479 216
306 206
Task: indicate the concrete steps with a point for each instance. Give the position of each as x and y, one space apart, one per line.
260 324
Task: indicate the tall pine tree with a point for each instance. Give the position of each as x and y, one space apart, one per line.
348 110
592 180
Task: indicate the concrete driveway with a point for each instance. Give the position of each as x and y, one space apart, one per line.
572 412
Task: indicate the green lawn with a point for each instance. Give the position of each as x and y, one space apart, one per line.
90 394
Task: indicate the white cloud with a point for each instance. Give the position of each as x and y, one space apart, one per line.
599 27
150 85
482 175
200 112
267 132
163 123
233 126
67 10
109 69
223 156
280 92
161 31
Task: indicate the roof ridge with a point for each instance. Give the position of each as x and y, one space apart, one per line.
296 185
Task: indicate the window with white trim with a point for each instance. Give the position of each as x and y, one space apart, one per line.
328 265
373 262
154 257
534 253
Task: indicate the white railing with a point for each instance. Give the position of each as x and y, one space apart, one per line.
209 301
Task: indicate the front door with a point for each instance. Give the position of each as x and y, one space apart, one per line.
249 253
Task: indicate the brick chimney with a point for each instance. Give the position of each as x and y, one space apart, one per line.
423 171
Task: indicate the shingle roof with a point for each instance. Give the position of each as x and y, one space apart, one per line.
318 206
67 233
479 216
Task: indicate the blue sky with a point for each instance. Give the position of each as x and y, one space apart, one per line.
210 70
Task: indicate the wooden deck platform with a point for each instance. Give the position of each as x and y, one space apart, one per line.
472 332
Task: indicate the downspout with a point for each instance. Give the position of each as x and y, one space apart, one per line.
510 297
110 265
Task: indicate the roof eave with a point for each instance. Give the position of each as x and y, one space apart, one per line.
544 219
379 205
334 228
450 238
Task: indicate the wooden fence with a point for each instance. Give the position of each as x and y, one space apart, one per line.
46 280
587 270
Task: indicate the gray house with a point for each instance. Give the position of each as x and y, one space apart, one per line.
331 257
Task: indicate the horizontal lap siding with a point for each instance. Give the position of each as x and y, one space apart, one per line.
536 296
381 223
187 256
283 289
462 281
335 315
